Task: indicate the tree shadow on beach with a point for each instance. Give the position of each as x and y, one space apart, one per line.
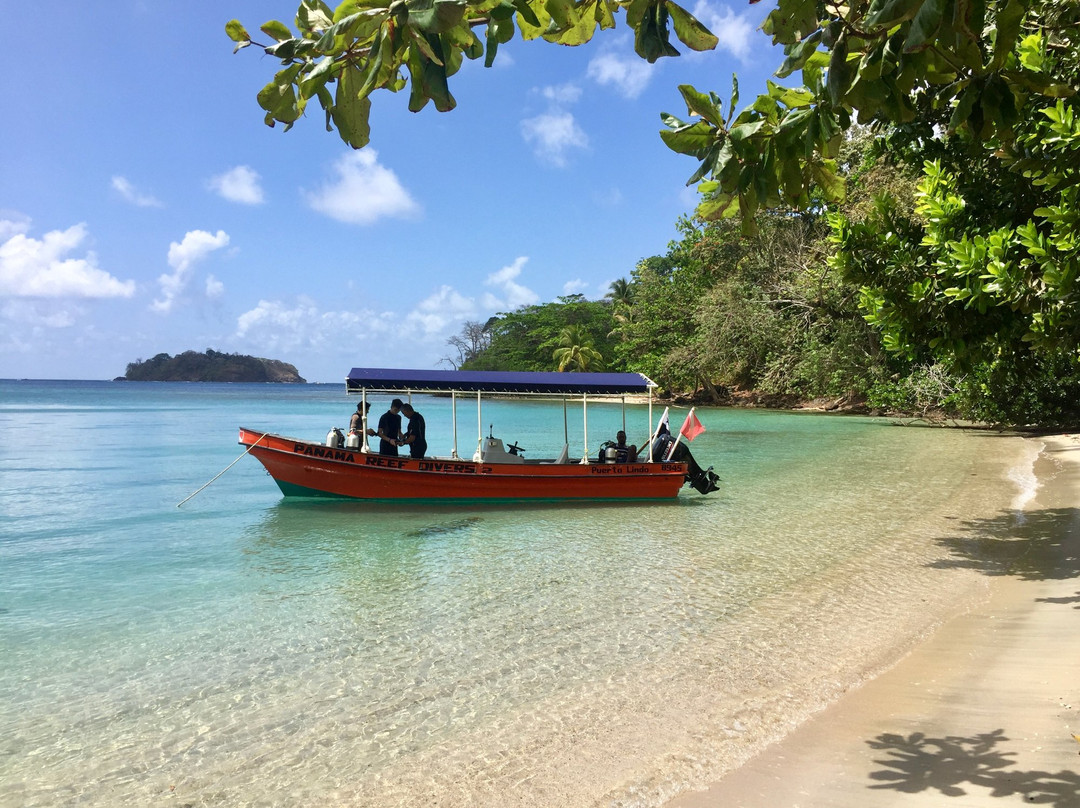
1032 545
953 765
1072 599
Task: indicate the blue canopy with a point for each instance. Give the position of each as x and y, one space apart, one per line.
494 381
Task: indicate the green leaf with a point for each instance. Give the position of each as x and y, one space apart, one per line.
723 206
278 97
318 77
350 111
827 179
839 78
694 139
791 21
689 30
700 104
236 31
964 106
745 130
581 25
277 30
436 16
503 11
924 26
798 55
651 40
734 96
887 13
314 15
525 10
560 11
1007 25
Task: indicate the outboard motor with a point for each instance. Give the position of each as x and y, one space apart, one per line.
701 480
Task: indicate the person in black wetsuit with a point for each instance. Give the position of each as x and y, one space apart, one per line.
416 433
390 429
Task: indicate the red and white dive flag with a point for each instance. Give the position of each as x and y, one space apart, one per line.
691 427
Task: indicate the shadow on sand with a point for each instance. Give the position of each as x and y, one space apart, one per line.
954 764
1031 545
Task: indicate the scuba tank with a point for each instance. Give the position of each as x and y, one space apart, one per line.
353 441
334 438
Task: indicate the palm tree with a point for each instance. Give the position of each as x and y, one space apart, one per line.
621 293
577 351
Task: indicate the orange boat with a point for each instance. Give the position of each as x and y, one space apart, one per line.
494 474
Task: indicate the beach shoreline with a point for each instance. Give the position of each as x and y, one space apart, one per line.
985 707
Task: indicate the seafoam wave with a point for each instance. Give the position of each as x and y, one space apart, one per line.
1023 476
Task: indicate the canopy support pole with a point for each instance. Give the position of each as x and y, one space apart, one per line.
479 456
650 425
585 416
453 414
364 447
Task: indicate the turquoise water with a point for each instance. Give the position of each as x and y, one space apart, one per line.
249 650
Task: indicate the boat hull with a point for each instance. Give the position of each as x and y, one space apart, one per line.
305 469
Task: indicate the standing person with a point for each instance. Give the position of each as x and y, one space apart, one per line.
356 423
416 434
390 429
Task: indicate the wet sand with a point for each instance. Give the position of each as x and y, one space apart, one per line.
983 712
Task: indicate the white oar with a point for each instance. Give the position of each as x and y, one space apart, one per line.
252 446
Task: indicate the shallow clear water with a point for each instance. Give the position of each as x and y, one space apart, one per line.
248 650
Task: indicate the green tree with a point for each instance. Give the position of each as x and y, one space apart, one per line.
526 338
576 351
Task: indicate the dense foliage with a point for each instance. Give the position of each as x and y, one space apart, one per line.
529 338
340 56
212 366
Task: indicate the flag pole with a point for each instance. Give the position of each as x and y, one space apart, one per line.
678 438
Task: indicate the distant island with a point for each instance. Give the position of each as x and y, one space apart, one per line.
212 366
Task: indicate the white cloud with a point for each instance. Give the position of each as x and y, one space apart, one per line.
33 268
362 192
553 134
214 287
38 315
574 287
197 244
434 315
240 184
130 193
13 223
277 327
624 70
734 31
513 294
562 94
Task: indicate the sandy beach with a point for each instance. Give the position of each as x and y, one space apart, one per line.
983 712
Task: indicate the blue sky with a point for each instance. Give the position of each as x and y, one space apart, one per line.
146 208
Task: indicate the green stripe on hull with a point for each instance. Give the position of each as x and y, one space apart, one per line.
291 490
